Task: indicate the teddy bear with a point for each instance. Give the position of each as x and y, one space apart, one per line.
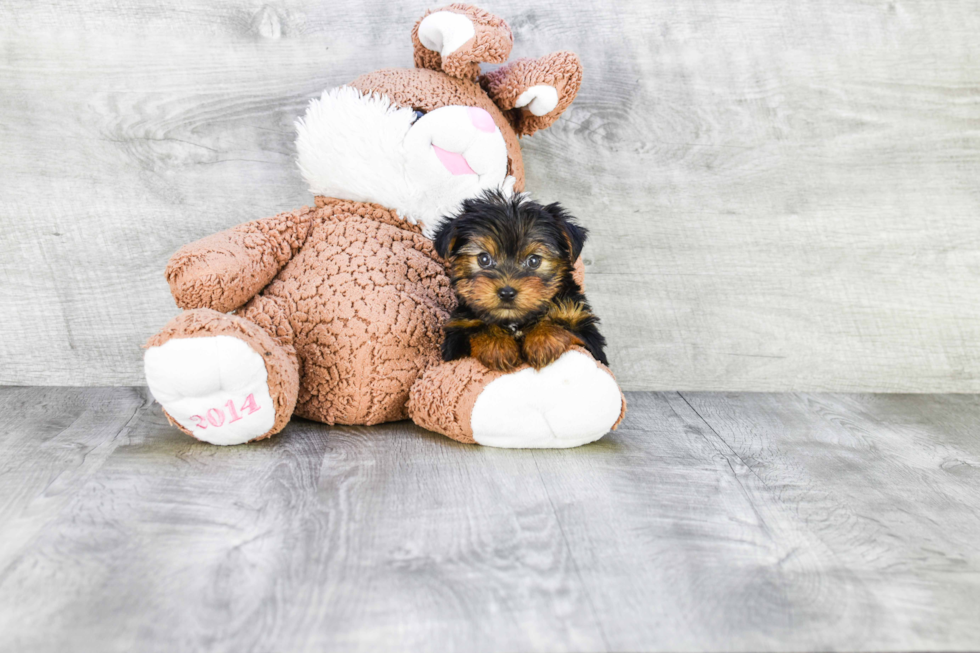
334 312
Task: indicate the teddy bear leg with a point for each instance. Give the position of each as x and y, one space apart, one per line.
571 402
221 378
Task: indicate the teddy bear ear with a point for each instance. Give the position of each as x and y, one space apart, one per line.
534 92
455 39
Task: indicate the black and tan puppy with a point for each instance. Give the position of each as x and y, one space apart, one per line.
511 264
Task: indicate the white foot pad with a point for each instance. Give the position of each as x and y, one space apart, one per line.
568 403
215 387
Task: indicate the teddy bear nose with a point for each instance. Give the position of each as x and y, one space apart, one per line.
507 293
481 119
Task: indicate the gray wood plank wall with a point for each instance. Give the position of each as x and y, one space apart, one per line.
782 195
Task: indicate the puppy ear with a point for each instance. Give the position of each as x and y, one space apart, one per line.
454 39
576 237
574 234
534 92
445 238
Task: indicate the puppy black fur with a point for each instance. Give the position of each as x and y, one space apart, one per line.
511 263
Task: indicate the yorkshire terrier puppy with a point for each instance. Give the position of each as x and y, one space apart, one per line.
511 264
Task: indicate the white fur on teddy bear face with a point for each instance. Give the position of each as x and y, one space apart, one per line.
194 379
362 147
566 404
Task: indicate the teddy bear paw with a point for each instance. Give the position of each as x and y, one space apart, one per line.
215 387
568 403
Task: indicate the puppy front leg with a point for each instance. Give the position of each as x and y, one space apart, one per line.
458 330
575 316
546 342
495 348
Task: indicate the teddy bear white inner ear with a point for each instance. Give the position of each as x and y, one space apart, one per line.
445 32
539 100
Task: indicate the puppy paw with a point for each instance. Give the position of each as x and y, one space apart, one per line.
545 343
496 349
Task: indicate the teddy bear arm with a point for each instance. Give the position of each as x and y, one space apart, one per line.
226 269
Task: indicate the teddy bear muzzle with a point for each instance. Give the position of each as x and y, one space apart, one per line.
463 140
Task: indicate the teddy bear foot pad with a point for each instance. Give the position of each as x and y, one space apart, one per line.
569 403
215 387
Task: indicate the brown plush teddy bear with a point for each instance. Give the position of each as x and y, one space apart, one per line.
334 312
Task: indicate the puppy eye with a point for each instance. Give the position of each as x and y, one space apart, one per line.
533 261
418 114
484 260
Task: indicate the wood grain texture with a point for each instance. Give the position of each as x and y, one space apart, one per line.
781 196
708 522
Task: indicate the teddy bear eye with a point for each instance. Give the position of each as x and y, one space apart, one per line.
533 261
484 260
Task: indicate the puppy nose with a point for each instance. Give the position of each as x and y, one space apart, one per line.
507 293
481 119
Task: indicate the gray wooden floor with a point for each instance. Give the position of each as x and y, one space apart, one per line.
707 522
